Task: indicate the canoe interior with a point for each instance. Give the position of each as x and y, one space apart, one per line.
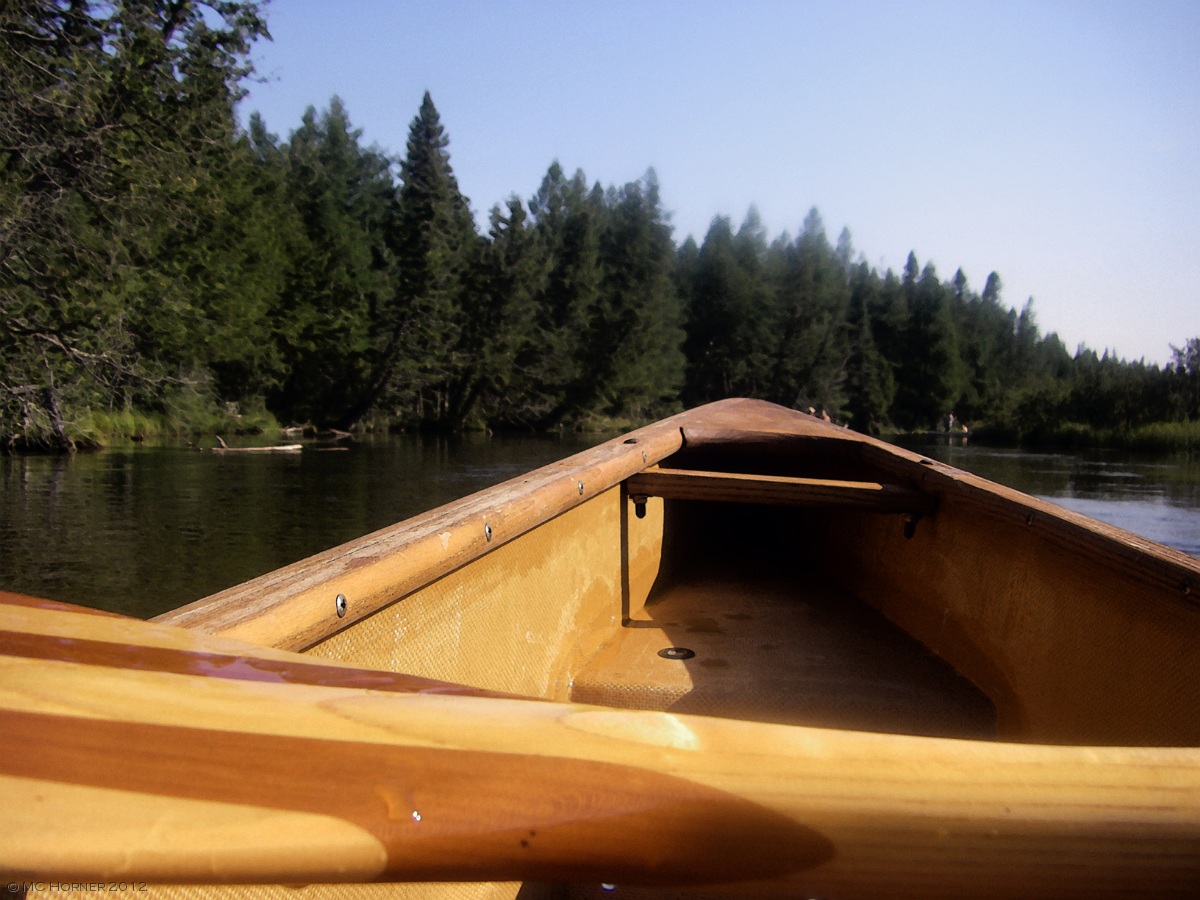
774 638
771 638
966 623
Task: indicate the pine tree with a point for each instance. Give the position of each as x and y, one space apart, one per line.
845 252
1184 379
512 274
329 326
810 343
985 331
436 247
728 328
568 221
635 361
252 236
870 387
929 384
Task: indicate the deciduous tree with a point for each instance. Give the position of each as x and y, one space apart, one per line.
115 123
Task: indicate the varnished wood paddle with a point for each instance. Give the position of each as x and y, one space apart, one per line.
138 751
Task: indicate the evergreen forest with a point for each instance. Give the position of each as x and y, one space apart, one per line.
164 269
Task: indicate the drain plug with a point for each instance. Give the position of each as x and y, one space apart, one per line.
676 653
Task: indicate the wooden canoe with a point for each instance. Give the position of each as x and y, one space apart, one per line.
740 652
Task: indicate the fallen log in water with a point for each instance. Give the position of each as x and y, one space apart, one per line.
277 448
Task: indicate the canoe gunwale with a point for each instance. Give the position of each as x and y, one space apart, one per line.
1173 572
294 607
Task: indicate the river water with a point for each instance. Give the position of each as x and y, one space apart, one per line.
140 530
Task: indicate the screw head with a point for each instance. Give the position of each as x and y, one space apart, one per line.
487 531
339 604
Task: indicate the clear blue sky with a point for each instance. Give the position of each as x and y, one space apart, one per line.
1057 143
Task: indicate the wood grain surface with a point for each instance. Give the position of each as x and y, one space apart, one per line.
126 771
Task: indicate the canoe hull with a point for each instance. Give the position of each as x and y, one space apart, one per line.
762 685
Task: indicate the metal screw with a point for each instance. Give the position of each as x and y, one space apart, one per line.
644 457
581 489
487 531
340 605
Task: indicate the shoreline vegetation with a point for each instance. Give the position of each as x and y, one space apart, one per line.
165 272
1153 437
98 431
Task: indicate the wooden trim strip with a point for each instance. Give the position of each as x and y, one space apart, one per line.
810 493
224 665
7 598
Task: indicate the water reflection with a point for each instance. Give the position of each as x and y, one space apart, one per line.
143 530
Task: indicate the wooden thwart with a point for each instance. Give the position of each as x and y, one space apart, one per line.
777 490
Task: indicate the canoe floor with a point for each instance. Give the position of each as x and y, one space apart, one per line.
771 647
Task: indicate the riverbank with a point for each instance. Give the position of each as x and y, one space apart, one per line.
187 422
95 430
1153 437
88 428
100 429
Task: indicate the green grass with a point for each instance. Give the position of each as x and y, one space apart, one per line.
1165 436
185 417
1158 437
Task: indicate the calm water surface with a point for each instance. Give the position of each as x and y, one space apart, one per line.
142 530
